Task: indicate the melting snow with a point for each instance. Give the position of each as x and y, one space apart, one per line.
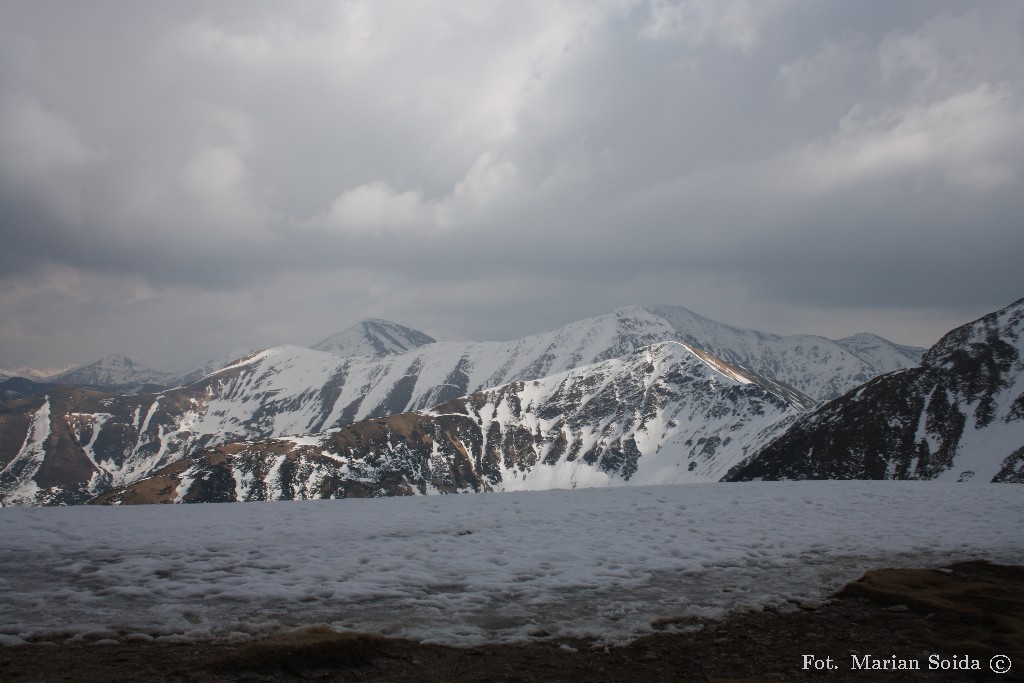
600 563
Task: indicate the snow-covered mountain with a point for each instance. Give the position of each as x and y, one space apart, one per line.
102 441
116 374
819 367
441 371
879 352
20 382
958 416
34 374
373 337
665 414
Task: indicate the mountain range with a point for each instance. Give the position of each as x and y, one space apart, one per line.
407 414
667 413
820 367
120 374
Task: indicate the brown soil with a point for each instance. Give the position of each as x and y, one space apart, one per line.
967 613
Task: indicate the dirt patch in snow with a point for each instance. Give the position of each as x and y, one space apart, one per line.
160 488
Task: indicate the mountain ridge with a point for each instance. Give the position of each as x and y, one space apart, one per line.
959 415
375 337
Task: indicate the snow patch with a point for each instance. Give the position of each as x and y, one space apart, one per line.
596 563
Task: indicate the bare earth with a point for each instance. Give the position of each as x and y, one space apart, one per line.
965 615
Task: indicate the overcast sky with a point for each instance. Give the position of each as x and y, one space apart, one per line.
182 179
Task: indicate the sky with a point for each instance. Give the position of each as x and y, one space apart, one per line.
182 179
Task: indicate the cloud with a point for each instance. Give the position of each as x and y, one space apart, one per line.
500 168
42 153
732 24
217 179
376 208
972 139
37 143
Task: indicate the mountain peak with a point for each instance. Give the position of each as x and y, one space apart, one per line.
117 373
117 360
374 337
863 338
994 338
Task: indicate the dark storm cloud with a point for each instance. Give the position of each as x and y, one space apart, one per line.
271 174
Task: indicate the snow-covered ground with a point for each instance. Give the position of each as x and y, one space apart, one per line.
463 569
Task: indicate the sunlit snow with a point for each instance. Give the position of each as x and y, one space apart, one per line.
600 563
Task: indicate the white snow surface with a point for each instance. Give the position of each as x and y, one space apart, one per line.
596 563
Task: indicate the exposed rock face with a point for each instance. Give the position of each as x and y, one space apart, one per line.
958 416
664 414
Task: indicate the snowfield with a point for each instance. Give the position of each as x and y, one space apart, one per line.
465 569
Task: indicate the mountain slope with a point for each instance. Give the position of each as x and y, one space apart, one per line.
67 445
665 414
958 416
373 337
